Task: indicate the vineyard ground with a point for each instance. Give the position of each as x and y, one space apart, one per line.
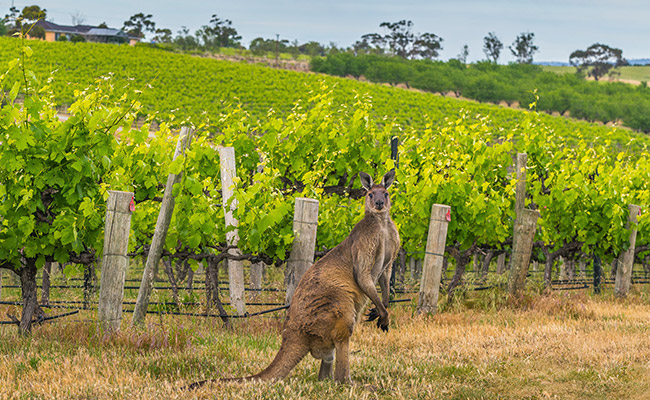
565 345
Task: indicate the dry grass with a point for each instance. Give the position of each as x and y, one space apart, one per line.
559 346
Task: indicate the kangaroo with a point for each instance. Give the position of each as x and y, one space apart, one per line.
335 289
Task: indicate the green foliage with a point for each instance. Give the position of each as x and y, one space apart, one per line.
53 174
488 82
598 59
199 87
76 38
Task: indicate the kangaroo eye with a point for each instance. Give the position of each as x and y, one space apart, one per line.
370 195
386 195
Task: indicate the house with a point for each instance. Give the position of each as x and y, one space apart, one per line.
54 32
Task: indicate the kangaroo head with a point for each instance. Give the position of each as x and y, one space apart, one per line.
377 198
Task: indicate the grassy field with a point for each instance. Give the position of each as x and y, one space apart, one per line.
567 346
637 73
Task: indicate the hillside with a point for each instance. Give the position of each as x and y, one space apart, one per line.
199 87
633 74
566 94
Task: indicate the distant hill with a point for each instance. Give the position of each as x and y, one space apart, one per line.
552 63
204 88
635 61
639 61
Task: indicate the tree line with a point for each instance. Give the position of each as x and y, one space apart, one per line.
400 55
398 39
514 83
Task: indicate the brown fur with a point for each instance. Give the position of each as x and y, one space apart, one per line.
334 291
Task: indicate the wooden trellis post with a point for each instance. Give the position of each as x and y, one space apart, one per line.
521 250
501 263
626 258
160 233
235 267
305 224
433 259
119 207
524 231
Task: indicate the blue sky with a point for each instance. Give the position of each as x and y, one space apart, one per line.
560 26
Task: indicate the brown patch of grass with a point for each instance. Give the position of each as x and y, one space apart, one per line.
563 345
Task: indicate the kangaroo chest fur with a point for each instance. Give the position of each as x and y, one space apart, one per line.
387 243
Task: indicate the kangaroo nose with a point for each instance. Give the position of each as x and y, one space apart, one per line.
379 204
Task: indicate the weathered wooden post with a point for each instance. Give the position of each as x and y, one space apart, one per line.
598 272
45 285
501 263
524 231
235 267
412 267
582 267
305 224
433 259
115 261
626 258
257 270
520 190
160 233
523 245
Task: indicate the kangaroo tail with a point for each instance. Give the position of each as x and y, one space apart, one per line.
294 348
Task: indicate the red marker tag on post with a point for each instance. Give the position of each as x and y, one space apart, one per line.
448 216
132 204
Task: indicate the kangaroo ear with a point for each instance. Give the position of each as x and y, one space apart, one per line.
366 180
388 179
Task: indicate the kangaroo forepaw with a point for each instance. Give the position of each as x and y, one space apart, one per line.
383 324
372 315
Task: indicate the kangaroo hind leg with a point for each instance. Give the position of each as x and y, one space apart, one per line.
342 373
326 365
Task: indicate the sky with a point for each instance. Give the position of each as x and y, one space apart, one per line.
560 26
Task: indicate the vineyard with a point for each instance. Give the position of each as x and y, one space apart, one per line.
182 86
294 136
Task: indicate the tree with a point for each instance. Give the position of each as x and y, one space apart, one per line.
371 43
185 41
12 16
597 60
492 47
312 49
77 38
400 41
138 24
462 56
399 37
220 33
163 36
32 14
103 25
260 46
427 46
37 32
523 48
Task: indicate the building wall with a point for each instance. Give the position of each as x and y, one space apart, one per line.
50 36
